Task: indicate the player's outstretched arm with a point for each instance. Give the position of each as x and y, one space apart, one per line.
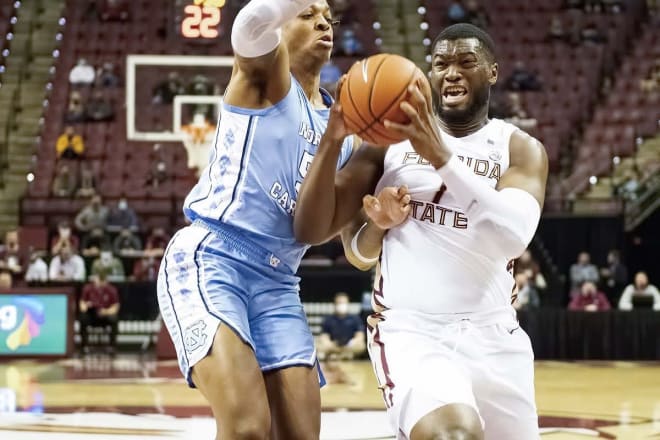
329 199
261 72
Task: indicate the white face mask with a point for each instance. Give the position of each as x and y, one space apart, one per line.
65 233
341 308
106 258
122 205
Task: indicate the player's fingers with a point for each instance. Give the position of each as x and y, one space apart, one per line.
402 191
370 202
403 130
406 199
410 111
405 210
416 96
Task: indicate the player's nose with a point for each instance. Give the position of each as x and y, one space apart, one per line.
322 24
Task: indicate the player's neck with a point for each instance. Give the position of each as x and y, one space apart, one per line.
462 129
310 81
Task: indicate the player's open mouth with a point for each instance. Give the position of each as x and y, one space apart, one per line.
453 95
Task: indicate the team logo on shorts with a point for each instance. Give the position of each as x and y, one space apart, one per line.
195 336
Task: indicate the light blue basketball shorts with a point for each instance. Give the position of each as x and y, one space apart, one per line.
211 275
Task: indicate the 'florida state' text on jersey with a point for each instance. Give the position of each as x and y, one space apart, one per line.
435 262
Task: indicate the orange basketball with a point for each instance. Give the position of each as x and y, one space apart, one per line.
372 92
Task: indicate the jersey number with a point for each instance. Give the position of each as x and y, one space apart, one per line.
439 194
303 167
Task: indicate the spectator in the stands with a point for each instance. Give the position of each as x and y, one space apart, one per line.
528 265
11 258
342 335
518 115
476 14
114 10
158 173
614 276
64 237
556 32
330 74
590 299
75 111
94 241
87 187
106 76
66 266
82 74
583 271
126 243
93 215
146 269
6 279
121 217
156 242
98 306
522 79
342 10
527 297
99 108
165 91
109 265
456 12
64 182
591 34
641 289
37 271
69 144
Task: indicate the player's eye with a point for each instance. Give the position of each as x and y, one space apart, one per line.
307 16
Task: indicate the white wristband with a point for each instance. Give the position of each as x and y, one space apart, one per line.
356 251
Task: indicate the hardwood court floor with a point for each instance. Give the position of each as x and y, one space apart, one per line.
610 400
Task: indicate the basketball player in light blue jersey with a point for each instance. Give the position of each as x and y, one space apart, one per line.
227 287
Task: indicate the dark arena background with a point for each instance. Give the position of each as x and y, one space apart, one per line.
112 105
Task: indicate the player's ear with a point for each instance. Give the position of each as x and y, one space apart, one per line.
492 74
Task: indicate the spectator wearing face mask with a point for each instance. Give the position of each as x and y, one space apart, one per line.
343 333
108 265
64 237
121 217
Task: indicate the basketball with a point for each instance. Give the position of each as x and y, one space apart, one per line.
372 92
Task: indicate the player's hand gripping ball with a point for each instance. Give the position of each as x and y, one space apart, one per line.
372 92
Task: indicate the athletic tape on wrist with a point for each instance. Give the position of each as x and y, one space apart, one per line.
356 251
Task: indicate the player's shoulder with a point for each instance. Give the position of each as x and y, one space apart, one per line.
525 148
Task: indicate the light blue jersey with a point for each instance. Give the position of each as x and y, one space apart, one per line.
235 264
257 164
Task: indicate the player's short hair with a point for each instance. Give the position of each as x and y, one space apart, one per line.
466 30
